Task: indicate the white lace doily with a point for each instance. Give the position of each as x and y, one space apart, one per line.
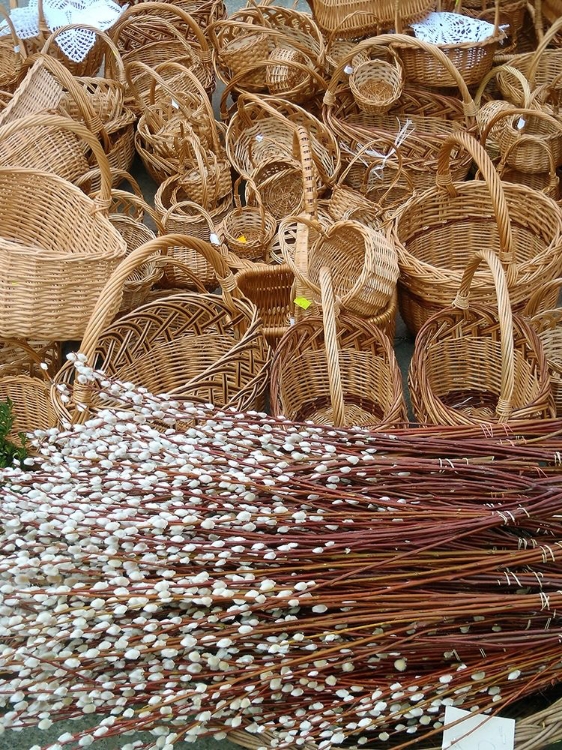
452 28
75 43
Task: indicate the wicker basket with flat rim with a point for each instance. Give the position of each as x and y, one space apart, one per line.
473 60
338 370
89 66
248 230
58 247
478 364
202 348
539 67
12 55
354 18
432 117
438 231
548 326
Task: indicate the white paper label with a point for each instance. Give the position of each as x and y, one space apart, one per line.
521 124
175 104
259 138
214 239
477 731
348 69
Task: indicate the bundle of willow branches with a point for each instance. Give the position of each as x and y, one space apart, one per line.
330 586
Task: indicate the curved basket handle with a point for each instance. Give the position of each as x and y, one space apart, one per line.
238 208
493 182
532 306
503 408
155 80
189 204
32 354
19 46
103 200
330 313
64 77
189 21
109 44
510 70
110 296
330 98
528 139
547 38
166 260
139 204
121 175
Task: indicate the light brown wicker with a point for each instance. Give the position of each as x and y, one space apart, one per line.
438 231
548 325
473 60
12 55
512 18
420 121
32 407
269 288
58 247
376 84
248 231
354 18
18 357
195 347
473 363
338 370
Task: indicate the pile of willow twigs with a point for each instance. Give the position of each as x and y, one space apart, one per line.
330 586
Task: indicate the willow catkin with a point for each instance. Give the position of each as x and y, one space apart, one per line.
250 573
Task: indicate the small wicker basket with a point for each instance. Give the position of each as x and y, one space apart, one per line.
377 84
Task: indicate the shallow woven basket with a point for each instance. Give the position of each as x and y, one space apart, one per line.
437 232
203 348
473 60
548 325
473 363
355 18
337 370
58 247
248 231
377 84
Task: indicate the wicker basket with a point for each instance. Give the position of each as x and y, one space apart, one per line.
337 370
32 407
478 364
248 231
473 60
58 246
202 348
548 326
12 55
377 84
354 18
437 232
512 18
19 357
269 288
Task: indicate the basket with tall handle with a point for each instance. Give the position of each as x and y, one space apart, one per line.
205 348
58 247
476 363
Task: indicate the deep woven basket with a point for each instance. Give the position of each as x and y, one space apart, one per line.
478 364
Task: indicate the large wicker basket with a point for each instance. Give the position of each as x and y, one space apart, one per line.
438 231
478 364
58 247
195 347
355 18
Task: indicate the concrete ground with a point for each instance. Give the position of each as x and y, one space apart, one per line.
26 739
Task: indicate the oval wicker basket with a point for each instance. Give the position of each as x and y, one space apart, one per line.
355 18
58 247
437 232
478 364
548 325
337 370
195 347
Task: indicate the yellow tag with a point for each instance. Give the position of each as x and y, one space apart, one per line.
242 239
303 302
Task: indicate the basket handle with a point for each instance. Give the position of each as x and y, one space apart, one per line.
32 354
330 97
499 204
188 204
64 77
330 311
189 21
505 317
545 41
537 141
165 260
310 191
103 200
256 196
111 293
19 47
110 47
533 305
121 174
506 68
